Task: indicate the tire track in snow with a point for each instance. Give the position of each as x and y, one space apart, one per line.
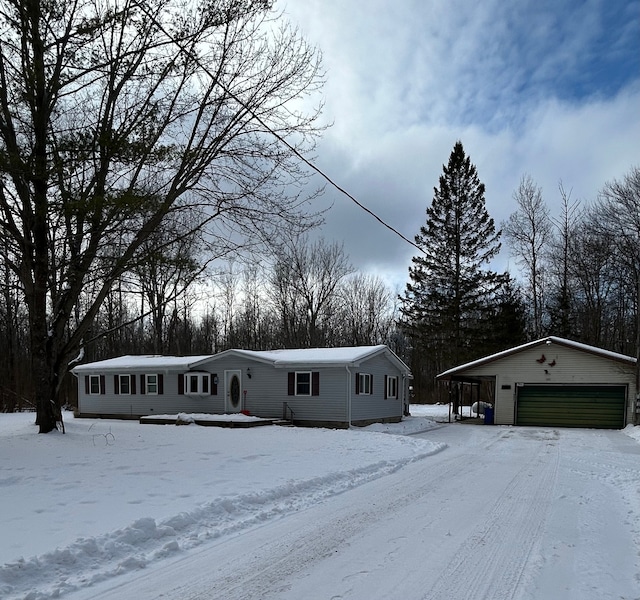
269 567
266 574
490 564
89 561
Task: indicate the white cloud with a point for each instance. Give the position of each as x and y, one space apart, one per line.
407 79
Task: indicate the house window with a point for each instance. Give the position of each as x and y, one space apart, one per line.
94 384
392 387
151 384
363 383
125 384
303 383
196 384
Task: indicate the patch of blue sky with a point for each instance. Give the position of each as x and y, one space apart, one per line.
531 52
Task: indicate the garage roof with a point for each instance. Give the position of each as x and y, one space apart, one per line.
451 373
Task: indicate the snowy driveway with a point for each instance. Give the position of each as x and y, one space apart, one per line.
502 513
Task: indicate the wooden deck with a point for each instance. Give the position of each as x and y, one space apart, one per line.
240 422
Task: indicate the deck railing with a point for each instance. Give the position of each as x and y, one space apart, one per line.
287 412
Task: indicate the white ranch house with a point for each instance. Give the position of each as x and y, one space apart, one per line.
554 382
330 387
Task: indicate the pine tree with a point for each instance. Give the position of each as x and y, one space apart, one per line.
448 303
509 320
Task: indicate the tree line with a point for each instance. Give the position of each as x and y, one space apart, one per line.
578 271
144 141
577 278
306 295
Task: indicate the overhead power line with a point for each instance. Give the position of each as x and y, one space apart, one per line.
280 138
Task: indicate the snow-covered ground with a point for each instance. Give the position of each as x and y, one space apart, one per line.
115 509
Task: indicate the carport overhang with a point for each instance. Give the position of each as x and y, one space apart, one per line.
461 378
457 383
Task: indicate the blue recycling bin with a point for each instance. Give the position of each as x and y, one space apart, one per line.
488 415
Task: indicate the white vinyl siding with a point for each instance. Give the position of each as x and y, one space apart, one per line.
264 393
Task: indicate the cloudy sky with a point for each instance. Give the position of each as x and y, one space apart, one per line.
549 88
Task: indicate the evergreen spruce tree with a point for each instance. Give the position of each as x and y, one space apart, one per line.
451 296
509 320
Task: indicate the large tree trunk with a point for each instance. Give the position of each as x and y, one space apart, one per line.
48 413
43 369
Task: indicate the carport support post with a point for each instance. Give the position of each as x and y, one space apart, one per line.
456 399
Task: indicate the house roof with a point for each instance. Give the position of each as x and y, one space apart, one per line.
543 341
326 357
143 361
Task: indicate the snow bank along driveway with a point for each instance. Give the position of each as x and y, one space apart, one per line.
458 512
113 496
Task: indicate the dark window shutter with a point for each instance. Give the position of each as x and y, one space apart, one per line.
315 383
214 384
371 384
180 384
132 379
160 383
86 384
357 383
103 385
116 384
292 384
386 386
143 384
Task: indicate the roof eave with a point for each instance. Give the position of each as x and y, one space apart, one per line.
448 375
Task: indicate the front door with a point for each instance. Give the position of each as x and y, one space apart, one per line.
233 391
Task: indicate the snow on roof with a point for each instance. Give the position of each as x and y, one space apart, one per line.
327 357
143 361
279 358
324 356
547 340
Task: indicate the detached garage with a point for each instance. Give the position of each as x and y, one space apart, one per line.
555 382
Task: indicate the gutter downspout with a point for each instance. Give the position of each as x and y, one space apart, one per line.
348 395
406 397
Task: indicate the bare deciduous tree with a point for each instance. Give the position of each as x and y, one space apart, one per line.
303 288
367 310
114 115
560 259
617 215
528 233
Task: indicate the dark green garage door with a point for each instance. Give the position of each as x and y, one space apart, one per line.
571 406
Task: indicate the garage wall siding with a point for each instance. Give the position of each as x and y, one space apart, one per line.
561 366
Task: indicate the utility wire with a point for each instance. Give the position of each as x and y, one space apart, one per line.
275 134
